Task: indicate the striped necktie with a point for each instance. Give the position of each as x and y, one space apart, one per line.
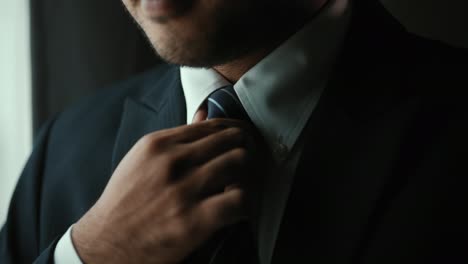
224 103
233 244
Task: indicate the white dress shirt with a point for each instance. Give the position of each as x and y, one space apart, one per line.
279 94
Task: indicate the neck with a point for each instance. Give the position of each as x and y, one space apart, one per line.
235 69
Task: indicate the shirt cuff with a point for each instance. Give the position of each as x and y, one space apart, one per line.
65 252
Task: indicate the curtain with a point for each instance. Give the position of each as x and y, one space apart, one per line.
15 97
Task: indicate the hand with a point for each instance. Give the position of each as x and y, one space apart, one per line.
169 194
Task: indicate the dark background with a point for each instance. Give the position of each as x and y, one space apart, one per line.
81 46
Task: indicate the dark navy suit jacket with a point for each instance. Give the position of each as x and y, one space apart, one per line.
383 177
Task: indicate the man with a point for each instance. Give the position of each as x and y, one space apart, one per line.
342 140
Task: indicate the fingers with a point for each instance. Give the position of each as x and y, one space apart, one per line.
213 177
191 133
221 210
216 144
196 131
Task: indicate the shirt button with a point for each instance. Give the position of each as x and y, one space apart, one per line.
280 151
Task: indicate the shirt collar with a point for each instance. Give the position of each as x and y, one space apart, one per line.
198 84
280 93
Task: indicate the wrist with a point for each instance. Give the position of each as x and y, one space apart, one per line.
91 244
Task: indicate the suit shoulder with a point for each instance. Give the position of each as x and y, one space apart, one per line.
108 103
99 115
436 52
436 70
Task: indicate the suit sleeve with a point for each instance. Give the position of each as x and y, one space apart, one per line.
20 236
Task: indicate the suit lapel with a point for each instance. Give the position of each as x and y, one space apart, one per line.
161 106
345 170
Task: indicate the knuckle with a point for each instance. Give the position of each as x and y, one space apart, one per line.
146 140
169 161
174 232
189 228
200 172
177 155
151 141
202 181
238 197
236 132
209 217
165 167
177 197
158 142
240 154
166 160
218 124
181 229
170 164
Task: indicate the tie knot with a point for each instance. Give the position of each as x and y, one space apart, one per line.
224 103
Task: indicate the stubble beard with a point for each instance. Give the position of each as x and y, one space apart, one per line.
227 36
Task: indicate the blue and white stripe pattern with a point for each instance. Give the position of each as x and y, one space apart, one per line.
224 103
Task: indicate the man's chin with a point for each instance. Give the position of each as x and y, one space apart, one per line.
201 50
185 58
181 46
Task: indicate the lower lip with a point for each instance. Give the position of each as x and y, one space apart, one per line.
159 8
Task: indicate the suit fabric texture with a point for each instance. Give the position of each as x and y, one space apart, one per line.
382 178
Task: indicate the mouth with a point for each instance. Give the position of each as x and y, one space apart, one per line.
164 9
